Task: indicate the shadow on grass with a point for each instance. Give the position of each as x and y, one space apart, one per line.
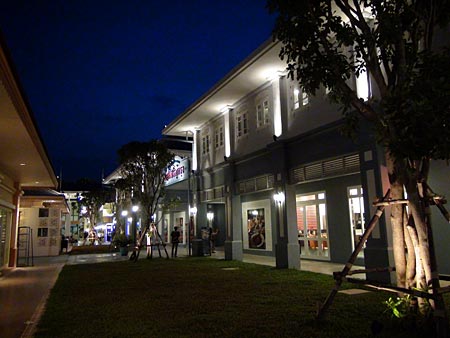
200 297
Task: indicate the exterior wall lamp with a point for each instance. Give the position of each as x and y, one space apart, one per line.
210 216
193 211
279 197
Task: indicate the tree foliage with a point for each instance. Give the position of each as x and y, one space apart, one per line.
142 168
327 42
93 200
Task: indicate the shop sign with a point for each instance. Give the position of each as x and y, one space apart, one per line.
178 171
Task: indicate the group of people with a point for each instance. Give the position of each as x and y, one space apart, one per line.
153 239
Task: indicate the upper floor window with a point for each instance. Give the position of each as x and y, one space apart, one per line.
301 98
305 98
218 137
241 124
205 144
262 113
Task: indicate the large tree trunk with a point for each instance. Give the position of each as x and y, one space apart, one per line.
419 207
397 216
412 250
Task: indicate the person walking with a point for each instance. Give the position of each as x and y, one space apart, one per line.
175 237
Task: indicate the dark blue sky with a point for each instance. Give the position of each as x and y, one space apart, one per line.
99 74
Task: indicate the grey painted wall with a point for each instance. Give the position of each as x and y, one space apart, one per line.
440 183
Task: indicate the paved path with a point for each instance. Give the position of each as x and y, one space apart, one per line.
23 294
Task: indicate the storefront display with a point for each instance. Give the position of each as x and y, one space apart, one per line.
257 229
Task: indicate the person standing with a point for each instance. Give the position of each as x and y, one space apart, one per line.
175 237
213 238
149 244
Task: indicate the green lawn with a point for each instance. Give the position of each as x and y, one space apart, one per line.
201 297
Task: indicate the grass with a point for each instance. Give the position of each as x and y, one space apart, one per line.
200 297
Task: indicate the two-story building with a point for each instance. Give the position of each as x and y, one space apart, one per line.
273 168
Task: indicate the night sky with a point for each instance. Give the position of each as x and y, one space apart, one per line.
99 74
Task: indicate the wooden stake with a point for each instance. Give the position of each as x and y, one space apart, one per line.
339 276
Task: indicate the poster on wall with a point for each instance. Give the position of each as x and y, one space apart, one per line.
256 229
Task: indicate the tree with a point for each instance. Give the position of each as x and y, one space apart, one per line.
325 43
92 201
143 170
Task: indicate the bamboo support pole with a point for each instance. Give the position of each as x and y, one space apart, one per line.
338 277
355 272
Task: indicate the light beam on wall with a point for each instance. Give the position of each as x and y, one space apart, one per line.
277 124
194 151
226 117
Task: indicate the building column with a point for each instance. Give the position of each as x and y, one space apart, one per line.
233 215
14 226
287 249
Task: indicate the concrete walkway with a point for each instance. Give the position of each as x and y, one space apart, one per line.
23 294
24 290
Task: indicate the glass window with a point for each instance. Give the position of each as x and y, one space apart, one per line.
205 144
305 99
42 232
241 124
312 226
218 138
43 212
306 197
356 209
262 113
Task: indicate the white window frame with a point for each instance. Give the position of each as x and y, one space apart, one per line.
320 238
241 124
305 99
205 144
262 112
218 137
300 98
356 228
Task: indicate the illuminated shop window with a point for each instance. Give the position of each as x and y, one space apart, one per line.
312 226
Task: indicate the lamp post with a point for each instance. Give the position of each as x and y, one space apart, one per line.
192 213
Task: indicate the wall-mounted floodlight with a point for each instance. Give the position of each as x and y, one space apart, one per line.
210 216
279 197
192 211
